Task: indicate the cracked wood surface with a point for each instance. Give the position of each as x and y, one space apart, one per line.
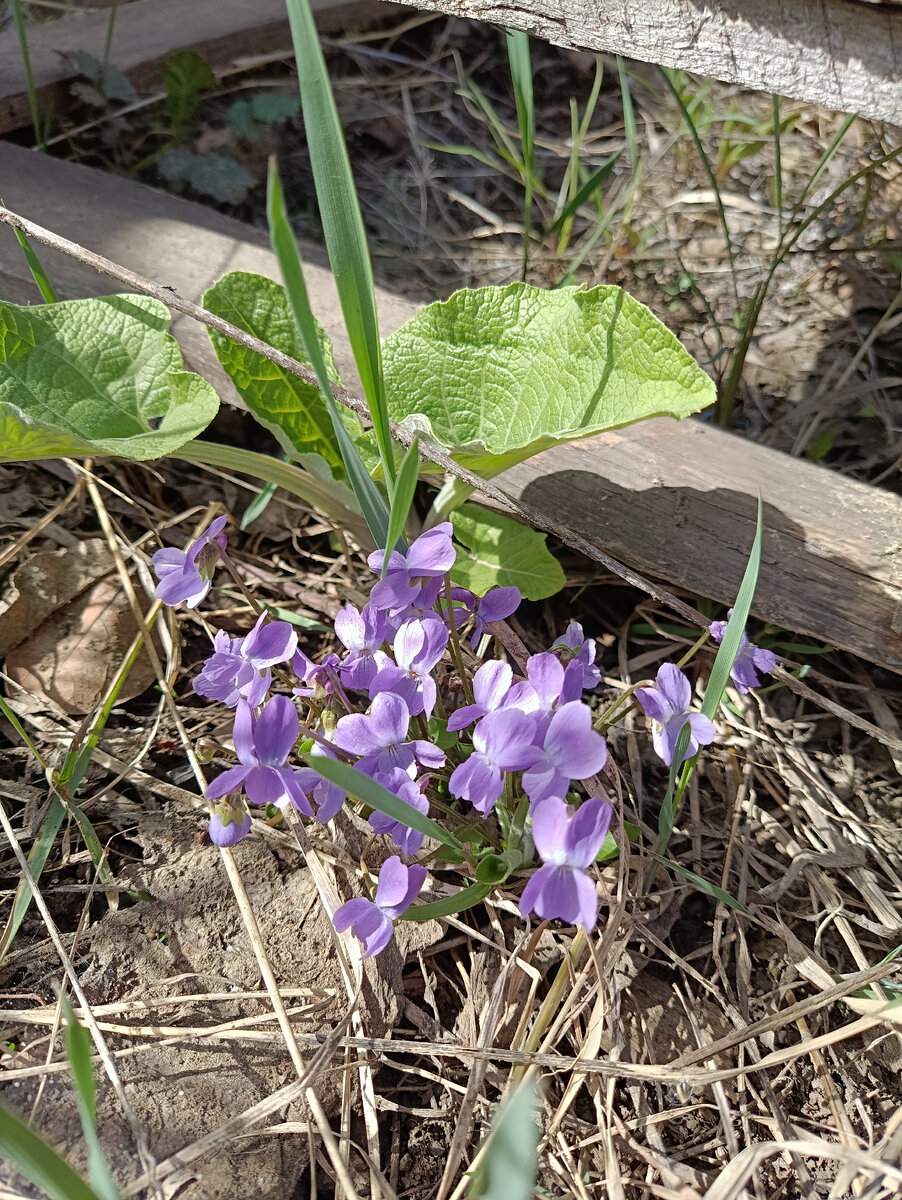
838 53
674 499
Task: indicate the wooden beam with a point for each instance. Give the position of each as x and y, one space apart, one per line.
837 53
145 33
674 499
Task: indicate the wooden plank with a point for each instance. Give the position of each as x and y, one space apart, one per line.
674 499
145 33
837 53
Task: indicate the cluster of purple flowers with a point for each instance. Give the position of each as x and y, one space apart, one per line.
402 685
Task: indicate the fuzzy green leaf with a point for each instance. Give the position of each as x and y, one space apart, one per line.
500 552
97 376
294 411
497 374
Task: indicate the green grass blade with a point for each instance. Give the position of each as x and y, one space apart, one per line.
521 76
509 1169
78 1051
257 506
778 169
729 647
714 692
835 143
374 795
19 20
704 886
371 501
709 171
37 857
595 180
38 274
467 897
408 474
39 1162
629 115
342 222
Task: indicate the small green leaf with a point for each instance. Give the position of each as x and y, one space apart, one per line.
274 108
185 76
294 411
494 868
503 552
497 374
106 78
99 376
214 175
374 795
37 858
467 897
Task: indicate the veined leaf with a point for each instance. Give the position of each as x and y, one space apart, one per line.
497 374
501 552
296 412
97 376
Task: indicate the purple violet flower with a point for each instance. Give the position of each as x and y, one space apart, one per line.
548 686
239 668
430 556
749 660
263 744
570 749
491 686
503 741
316 676
372 920
380 737
400 784
578 648
569 842
329 796
363 634
418 646
667 706
496 605
229 824
186 575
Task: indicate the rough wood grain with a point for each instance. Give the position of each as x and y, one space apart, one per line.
837 53
145 33
675 499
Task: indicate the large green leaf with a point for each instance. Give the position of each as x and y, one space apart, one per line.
97 376
497 374
294 411
500 552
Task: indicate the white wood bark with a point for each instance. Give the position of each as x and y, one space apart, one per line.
838 53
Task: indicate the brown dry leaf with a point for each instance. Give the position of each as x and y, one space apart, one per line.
68 628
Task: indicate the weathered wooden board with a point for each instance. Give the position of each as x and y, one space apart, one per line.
145 33
838 53
675 499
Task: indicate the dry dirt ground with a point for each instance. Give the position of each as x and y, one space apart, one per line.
724 1051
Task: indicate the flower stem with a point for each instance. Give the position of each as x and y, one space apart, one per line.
456 652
